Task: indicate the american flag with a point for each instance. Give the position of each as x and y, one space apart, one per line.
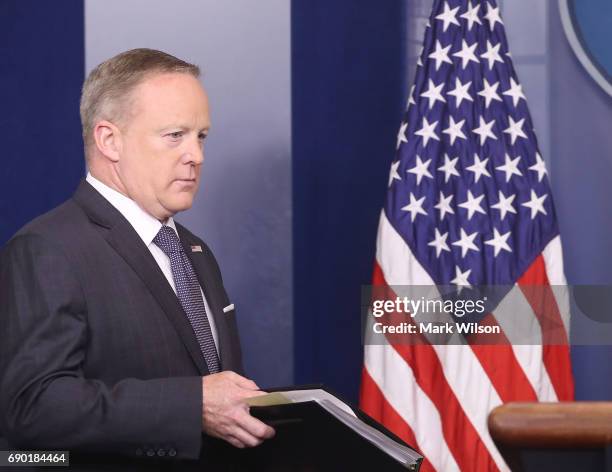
469 203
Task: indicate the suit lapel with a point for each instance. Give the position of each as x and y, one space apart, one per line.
210 286
124 239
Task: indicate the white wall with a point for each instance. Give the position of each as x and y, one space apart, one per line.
244 207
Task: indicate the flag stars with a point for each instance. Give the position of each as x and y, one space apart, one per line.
454 130
439 242
484 130
460 92
536 204
466 242
479 168
504 205
515 91
539 167
492 16
434 93
472 205
469 103
448 16
415 207
421 169
510 167
440 55
471 15
393 173
515 129
427 132
461 278
449 168
499 242
444 205
467 53
401 135
489 92
492 55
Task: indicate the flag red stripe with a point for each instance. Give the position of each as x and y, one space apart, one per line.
373 402
555 345
460 435
505 373
462 439
498 360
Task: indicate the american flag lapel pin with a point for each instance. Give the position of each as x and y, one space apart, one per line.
196 248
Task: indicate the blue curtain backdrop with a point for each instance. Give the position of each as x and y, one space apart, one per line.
41 72
348 89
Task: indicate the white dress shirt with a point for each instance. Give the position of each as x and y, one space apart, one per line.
147 227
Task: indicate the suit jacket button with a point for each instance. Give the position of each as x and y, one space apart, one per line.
161 452
150 452
172 452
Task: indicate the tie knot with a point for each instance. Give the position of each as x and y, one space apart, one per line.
167 240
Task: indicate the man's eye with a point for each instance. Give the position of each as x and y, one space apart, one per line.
202 136
176 134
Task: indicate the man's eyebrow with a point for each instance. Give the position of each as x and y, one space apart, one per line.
170 127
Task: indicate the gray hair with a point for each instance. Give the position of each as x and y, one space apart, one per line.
108 86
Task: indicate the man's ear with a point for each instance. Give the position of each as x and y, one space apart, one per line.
108 140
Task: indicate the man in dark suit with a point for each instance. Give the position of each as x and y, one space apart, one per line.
117 337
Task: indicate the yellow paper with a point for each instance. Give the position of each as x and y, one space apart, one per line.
269 400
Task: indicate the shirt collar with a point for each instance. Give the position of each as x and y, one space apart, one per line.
146 225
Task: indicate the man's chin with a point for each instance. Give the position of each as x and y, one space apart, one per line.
181 203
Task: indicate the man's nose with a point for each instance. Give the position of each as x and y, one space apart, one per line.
194 154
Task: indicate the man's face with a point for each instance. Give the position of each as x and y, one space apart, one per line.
161 149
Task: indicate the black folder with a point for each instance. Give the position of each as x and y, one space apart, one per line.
310 438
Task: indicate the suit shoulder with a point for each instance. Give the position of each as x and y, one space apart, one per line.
59 224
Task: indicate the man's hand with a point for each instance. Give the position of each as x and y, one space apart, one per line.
225 413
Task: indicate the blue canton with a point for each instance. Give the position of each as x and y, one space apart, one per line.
469 191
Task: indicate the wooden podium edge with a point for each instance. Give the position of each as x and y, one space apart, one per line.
552 425
561 426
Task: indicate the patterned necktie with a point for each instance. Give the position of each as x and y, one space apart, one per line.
189 294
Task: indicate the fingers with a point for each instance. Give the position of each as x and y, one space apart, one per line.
256 428
250 432
245 439
235 442
246 431
225 413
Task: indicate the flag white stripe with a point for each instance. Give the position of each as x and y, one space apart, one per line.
529 357
528 350
465 376
396 259
462 370
395 379
553 261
